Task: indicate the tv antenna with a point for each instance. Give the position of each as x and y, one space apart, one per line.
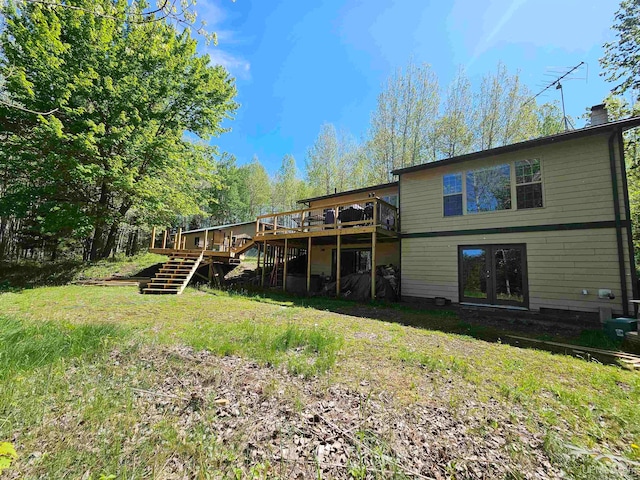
557 83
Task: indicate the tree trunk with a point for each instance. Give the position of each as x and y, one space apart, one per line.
98 230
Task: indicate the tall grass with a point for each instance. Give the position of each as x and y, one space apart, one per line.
305 351
25 346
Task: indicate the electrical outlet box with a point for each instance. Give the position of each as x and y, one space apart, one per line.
604 293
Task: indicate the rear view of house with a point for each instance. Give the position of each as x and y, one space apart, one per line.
541 225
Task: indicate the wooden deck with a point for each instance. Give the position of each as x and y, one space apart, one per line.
372 215
207 254
283 236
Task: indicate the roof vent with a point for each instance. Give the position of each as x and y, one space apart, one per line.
599 115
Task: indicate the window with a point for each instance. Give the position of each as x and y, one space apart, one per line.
352 260
493 274
452 194
196 241
392 199
528 184
489 189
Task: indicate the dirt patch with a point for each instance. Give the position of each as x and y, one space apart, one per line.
279 425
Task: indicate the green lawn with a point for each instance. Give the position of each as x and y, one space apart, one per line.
75 359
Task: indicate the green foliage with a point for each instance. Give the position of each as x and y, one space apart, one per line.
125 95
621 60
25 346
23 274
7 455
305 351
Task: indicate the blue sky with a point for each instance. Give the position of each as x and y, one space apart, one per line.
299 64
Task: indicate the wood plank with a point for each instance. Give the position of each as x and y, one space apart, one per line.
338 265
286 261
263 265
613 353
373 265
309 265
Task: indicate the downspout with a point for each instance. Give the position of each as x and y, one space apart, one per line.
629 226
616 211
399 233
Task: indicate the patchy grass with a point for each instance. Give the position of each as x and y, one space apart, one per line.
370 348
24 347
29 274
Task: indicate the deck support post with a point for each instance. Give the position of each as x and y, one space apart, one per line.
309 265
178 241
164 239
230 240
206 235
264 264
286 259
259 251
338 266
184 243
211 273
153 237
373 265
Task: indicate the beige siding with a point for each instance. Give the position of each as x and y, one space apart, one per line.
354 197
577 188
560 266
219 235
386 253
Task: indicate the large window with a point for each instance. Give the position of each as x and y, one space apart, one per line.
452 194
528 184
489 189
516 185
494 274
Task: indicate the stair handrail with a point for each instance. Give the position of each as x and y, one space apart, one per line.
191 273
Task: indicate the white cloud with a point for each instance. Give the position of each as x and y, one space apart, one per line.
214 15
237 66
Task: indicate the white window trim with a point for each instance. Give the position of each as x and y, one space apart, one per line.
463 193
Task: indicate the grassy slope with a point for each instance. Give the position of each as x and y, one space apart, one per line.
564 399
29 274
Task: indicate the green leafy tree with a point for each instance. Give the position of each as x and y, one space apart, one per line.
504 113
403 124
257 188
454 128
124 94
621 60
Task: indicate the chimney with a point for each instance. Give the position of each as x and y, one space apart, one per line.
599 115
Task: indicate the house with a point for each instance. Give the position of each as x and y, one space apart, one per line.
219 238
541 225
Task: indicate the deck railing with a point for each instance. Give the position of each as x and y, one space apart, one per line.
370 212
166 240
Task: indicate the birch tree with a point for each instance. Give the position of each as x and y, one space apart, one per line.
504 112
454 135
258 187
403 124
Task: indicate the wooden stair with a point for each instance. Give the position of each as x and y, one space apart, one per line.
174 275
240 250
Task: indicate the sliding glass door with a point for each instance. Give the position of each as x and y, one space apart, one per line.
493 274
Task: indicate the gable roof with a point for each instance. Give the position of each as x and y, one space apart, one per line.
349 192
218 227
536 142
